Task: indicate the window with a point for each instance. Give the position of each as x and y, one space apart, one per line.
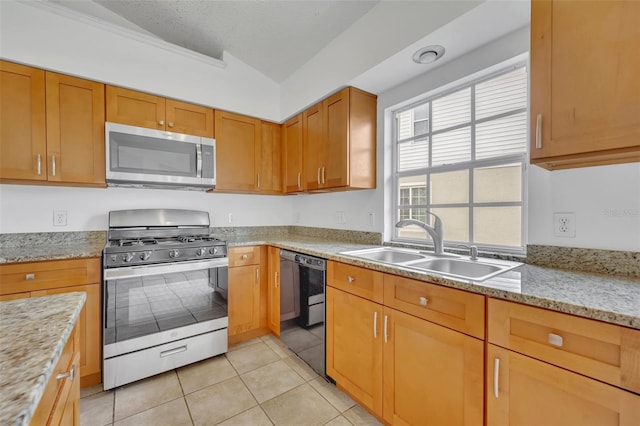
462 156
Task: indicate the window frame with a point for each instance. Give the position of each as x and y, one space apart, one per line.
521 159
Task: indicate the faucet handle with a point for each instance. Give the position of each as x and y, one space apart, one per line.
473 252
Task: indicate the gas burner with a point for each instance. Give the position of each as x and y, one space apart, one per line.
137 242
189 238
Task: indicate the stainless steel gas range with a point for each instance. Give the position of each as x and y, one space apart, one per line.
164 293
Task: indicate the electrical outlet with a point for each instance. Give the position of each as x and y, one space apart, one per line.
59 218
230 218
341 217
297 217
372 219
564 225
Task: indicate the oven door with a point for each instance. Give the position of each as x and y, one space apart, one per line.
146 306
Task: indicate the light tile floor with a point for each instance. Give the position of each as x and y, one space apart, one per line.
259 382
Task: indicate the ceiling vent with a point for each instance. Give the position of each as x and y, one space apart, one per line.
428 54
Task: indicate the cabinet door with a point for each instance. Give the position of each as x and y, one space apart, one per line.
584 81
335 168
23 150
354 346
313 145
530 392
270 170
188 118
237 137
292 154
89 329
244 299
432 375
135 108
75 130
273 291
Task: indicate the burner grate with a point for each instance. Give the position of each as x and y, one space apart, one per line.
137 242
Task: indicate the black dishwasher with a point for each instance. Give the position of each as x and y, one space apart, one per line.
302 310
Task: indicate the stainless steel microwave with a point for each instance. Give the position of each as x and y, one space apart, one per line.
140 157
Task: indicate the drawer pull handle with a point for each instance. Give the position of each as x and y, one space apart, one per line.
161 122
39 165
555 340
350 279
424 301
173 351
277 281
30 277
375 325
496 376
386 335
539 131
70 374
244 257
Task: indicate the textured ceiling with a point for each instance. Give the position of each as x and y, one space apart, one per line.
274 37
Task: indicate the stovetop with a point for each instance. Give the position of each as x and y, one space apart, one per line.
147 250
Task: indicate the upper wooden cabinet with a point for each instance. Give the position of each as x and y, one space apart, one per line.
339 138
270 159
23 146
248 154
142 109
65 148
237 158
292 155
585 90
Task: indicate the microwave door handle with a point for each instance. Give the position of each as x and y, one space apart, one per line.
198 160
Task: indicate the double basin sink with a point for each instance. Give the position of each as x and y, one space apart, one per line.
450 265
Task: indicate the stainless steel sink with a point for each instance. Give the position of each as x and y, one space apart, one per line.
387 255
445 264
468 269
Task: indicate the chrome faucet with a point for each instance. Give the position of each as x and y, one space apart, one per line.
436 232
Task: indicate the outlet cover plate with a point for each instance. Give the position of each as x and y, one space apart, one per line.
564 224
59 218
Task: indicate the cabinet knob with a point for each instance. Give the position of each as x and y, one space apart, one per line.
170 124
555 340
161 122
30 277
350 279
424 301
244 257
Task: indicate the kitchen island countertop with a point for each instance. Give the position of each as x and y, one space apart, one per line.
33 333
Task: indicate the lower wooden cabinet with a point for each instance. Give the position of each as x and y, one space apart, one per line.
273 291
34 279
431 375
244 299
60 402
247 297
89 327
354 346
523 391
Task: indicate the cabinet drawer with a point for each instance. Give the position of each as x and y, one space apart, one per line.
24 277
355 280
51 394
451 308
242 256
606 352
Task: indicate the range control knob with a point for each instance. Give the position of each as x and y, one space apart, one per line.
213 250
127 257
201 251
145 256
174 253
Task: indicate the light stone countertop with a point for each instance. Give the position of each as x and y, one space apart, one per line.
33 333
609 298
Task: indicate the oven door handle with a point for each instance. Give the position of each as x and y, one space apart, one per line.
164 268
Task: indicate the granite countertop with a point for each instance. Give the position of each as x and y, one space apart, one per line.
33 333
609 298
17 248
